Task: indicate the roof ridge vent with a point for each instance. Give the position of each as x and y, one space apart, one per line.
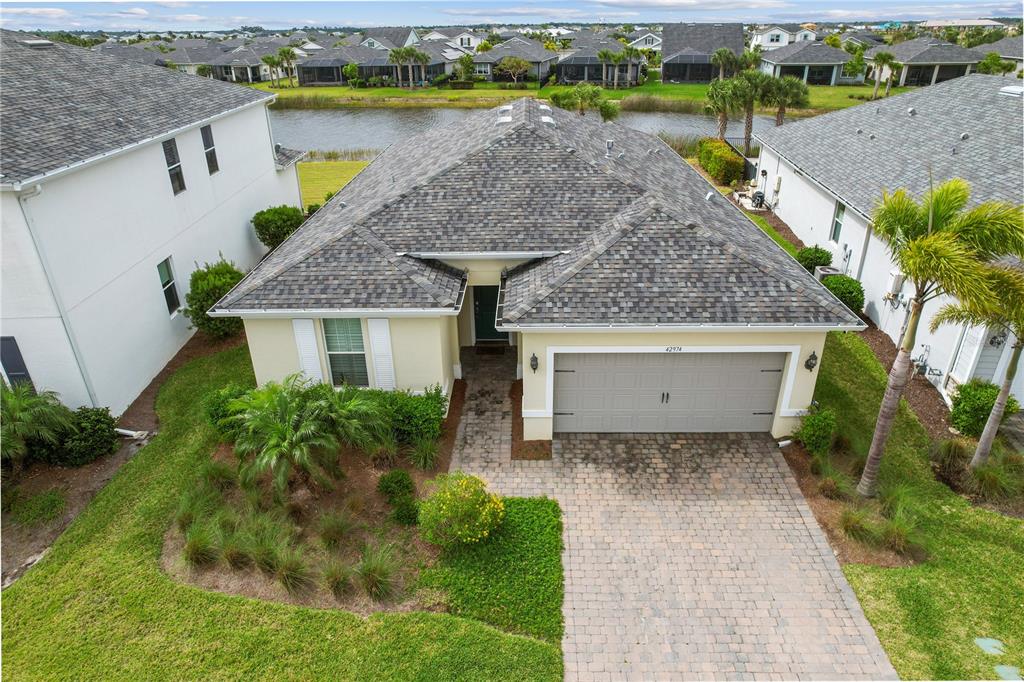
912 111
548 120
37 43
503 119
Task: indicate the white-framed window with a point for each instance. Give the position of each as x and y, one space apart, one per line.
837 221
648 40
209 149
166 273
482 69
346 356
465 41
774 38
174 166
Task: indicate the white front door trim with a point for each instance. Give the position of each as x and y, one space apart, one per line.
787 387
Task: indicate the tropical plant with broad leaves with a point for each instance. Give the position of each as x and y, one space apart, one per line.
882 60
785 92
399 56
353 419
942 248
273 63
1003 312
748 88
721 101
615 58
893 69
26 415
583 97
725 59
605 57
288 56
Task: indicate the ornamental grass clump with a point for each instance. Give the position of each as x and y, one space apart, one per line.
459 511
377 571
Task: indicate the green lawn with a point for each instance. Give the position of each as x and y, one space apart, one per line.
98 606
317 178
770 231
822 97
972 585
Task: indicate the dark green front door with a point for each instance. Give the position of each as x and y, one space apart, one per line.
485 305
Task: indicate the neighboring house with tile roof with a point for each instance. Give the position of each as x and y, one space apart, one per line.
110 195
541 59
531 226
775 36
1010 48
825 175
686 50
812 62
924 61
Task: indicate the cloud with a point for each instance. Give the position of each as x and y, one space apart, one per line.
193 18
702 5
491 14
37 12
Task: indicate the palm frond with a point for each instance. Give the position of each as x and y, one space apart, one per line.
992 229
897 219
941 258
944 203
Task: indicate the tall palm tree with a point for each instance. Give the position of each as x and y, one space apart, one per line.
942 248
725 59
423 59
881 60
26 415
616 58
1005 312
605 56
288 57
398 56
788 91
750 59
721 101
750 86
279 431
632 53
272 62
893 68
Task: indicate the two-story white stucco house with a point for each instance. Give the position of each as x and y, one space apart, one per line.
117 180
774 36
824 177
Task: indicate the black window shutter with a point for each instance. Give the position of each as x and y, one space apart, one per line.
14 364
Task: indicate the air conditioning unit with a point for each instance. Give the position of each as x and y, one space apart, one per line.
823 271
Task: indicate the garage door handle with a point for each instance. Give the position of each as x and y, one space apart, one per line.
762 413
563 414
771 370
567 371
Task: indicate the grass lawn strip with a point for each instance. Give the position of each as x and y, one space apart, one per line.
928 615
317 178
770 231
98 604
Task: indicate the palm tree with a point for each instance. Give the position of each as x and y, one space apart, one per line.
942 249
881 60
605 56
721 101
288 57
398 57
750 59
272 63
353 418
749 89
25 416
788 91
423 59
616 58
1005 312
280 430
725 59
893 68
632 53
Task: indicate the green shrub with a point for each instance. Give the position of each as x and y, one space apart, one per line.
271 539
846 289
237 550
459 511
406 510
385 450
218 475
312 208
720 161
274 225
215 407
949 459
414 417
195 504
200 545
337 577
377 571
835 486
293 571
207 285
424 454
898 533
396 484
856 523
88 436
817 431
896 498
991 482
335 527
972 404
814 256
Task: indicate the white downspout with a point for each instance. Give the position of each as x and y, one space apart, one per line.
23 197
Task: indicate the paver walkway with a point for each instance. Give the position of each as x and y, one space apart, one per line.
686 556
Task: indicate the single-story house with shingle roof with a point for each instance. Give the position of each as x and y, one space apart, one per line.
635 297
925 61
541 59
957 129
864 39
812 62
1010 48
583 65
687 48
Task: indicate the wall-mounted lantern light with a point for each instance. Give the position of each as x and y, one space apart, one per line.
534 363
812 361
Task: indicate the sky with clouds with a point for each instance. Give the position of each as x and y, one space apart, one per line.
215 15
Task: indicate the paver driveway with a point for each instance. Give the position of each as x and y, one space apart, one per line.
686 556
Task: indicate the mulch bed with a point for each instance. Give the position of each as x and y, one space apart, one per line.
23 545
524 449
922 396
782 228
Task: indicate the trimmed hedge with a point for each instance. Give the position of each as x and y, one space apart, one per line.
972 404
207 285
92 435
274 225
720 161
846 289
813 256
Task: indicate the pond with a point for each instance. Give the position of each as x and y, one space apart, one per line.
349 129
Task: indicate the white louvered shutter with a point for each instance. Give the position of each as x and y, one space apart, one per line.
309 356
380 347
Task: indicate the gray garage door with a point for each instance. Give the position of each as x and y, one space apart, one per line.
666 392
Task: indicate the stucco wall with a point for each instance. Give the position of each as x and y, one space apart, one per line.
537 392
272 349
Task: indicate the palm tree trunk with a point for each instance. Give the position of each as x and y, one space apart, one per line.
748 129
899 376
780 115
723 124
411 83
291 76
615 81
988 436
878 76
721 71
888 85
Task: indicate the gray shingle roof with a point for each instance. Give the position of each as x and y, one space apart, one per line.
525 48
926 51
62 105
884 147
806 52
1010 47
635 225
690 39
788 28
132 53
284 157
